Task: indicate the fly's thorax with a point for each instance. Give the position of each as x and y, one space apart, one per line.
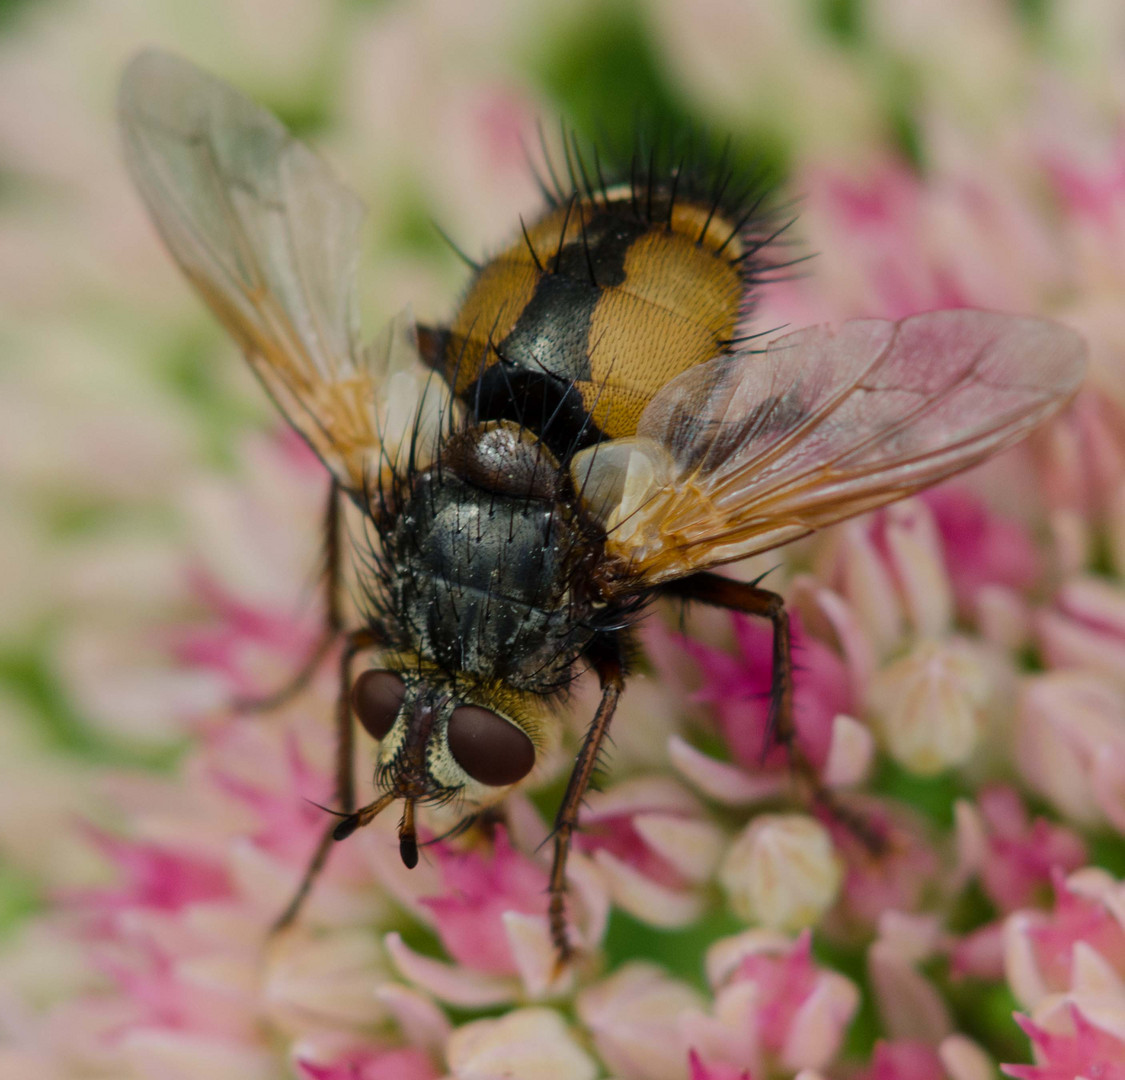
486 580
449 738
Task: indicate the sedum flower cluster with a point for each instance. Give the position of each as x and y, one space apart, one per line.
961 655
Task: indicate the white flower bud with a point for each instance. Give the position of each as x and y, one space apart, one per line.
526 1044
928 705
782 872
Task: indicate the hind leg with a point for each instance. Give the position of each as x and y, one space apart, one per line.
739 596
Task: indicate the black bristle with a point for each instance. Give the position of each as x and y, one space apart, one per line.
562 232
472 264
658 176
651 181
586 248
582 167
561 194
531 246
675 186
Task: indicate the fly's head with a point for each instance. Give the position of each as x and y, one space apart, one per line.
442 739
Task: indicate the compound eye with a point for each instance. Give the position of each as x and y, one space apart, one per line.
490 749
377 697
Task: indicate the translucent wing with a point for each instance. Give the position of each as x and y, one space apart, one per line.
745 453
269 238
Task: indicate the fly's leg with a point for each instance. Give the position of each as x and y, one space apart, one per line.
333 615
750 600
611 674
355 642
780 729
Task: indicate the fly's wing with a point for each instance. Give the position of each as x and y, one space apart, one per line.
745 453
269 239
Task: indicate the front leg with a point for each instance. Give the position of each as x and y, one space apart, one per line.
356 642
610 667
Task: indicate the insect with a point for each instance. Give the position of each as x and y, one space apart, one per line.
587 434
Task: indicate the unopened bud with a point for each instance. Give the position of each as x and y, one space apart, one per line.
929 704
782 872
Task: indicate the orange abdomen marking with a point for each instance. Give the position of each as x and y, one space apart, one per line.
583 319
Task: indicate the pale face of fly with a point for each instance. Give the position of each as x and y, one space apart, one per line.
435 746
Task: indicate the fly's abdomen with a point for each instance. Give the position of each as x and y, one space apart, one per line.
574 328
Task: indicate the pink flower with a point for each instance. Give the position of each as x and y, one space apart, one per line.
478 889
774 1007
1087 1051
982 549
1081 455
891 568
895 878
1093 188
1070 744
1086 629
154 877
653 847
909 1003
636 1019
281 822
1016 861
241 638
875 228
488 906
1047 953
955 1058
524 1044
259 632
737 688
828 678
1016 858
905 1060
979 953
701 1070
406 1064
